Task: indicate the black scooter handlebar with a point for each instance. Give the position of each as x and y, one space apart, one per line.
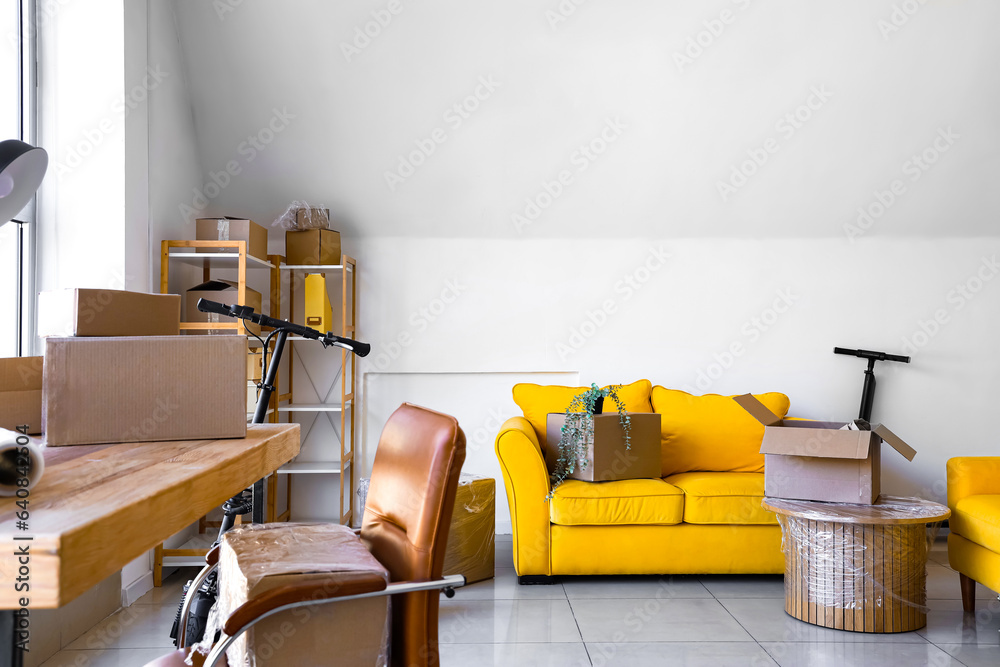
247 313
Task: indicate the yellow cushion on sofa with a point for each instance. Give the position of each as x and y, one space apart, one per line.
623 502
977 518
537 401
711 432
723 497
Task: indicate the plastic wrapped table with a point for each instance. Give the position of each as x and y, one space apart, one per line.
860 568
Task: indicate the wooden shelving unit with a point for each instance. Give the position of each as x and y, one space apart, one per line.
212 256
344 467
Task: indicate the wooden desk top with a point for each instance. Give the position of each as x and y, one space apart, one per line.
98 507
888 510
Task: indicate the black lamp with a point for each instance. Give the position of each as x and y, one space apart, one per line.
22 168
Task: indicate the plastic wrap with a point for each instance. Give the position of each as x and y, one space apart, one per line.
300 216
857 567
258 557
362 492
471 538
21 457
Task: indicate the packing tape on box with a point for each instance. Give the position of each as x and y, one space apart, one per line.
20 457
834 563
223 225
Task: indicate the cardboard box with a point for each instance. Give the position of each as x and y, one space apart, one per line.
257 558
312 247
21 394
312 218
143 389
107 312
815 460
221 291
471 538
255 368
609 460
233 229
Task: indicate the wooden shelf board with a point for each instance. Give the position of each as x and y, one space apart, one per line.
222 260
312 407
311 467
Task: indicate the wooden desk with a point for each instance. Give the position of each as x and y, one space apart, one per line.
857 567
98 507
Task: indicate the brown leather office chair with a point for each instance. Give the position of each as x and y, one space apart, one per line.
408 512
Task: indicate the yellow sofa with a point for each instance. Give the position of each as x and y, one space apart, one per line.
703 516
974 537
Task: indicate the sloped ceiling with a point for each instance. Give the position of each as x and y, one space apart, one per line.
735 119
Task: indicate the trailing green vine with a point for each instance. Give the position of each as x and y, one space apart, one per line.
578 431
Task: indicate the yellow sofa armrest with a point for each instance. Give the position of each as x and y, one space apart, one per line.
527 482
972 476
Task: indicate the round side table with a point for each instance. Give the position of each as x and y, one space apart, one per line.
860 568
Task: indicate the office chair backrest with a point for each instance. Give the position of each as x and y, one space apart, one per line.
407 515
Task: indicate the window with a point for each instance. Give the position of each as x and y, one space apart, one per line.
13 125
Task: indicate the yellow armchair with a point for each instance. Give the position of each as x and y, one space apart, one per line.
974 539
527 482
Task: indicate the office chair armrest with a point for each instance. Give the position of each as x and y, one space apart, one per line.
294 596
212 557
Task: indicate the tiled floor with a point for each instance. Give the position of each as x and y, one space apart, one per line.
623 621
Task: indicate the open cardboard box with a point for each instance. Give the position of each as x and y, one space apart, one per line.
816 460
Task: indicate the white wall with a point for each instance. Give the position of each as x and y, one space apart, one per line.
747 163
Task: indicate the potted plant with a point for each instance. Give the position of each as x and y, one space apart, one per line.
578 431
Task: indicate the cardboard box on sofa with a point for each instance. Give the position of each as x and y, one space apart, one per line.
220 291
233 229
257 558
471 538
21 394
815 460
107 312
312 247
609 459
144 388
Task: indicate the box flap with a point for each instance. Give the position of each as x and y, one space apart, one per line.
759 411
215 286
895 441
817 442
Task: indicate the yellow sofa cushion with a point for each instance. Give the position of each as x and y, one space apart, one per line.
710 433
723 497
623 502
977 519
537 401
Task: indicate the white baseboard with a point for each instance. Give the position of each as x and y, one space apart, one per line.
137 589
